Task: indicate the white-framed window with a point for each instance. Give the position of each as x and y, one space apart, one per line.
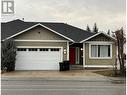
100 51
32 49
44 49
54 49
21 49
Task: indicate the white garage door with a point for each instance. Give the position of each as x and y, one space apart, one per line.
38 58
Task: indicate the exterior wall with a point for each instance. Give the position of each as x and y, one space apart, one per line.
39 33
100 37
100 62
45 44
89 61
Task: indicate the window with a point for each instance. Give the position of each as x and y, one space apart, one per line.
32 49
54 49
43 49
94 49
77 55
21 49
100 51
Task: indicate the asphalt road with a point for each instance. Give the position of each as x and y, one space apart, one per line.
52 87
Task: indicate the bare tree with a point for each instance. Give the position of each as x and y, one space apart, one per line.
121 57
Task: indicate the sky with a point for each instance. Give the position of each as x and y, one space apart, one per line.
108 14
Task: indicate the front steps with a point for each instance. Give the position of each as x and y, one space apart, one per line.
76 67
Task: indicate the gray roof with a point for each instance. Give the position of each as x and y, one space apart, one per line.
13 27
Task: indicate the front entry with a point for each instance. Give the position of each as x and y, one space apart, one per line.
74 55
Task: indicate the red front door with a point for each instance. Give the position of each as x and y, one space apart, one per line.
72 56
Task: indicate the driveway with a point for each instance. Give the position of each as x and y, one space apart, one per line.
71 73
80 75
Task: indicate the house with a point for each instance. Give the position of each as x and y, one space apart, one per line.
42 45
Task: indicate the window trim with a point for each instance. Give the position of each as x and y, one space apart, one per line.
90 44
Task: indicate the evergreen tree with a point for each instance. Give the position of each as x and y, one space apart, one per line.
88 28
108 32
95 29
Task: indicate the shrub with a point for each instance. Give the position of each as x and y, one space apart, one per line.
8 55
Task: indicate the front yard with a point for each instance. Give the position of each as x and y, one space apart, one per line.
109 73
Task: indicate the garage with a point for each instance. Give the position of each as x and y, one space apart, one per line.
38 58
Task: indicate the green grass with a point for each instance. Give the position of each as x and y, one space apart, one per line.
109 73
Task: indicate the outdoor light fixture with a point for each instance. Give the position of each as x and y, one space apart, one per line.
81 48
65 51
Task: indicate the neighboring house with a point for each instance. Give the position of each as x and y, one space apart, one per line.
42 45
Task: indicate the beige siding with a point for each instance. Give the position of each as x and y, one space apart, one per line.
47 44
39 33
100 37
89 61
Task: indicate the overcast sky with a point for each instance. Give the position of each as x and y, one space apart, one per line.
108 14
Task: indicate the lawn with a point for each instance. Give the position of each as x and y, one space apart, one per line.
110 73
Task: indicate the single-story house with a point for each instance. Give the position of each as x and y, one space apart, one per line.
42 45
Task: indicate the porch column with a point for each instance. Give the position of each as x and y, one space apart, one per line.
83 54
67 50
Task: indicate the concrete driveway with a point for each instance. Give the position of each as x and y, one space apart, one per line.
80 75
71 73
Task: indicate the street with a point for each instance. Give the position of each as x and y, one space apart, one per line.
61 87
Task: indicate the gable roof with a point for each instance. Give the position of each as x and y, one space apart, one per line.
9 29
97 35
41 26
